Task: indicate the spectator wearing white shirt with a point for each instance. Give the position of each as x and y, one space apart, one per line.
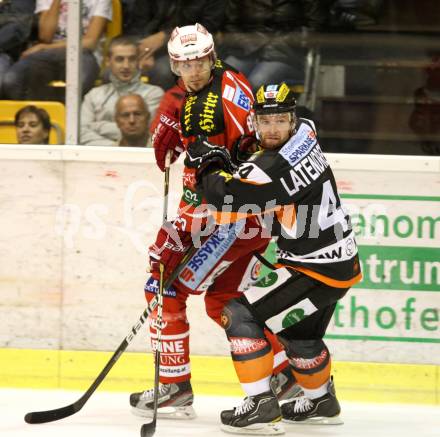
98 126
44 62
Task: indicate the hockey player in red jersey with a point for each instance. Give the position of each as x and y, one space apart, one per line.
289 183
217 107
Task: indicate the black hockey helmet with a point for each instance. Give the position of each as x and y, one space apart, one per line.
275 98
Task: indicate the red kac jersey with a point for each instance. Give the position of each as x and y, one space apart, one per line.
221 113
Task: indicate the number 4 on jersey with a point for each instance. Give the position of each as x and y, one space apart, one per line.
329 213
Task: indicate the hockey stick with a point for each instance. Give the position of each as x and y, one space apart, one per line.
148 429
166 186
69 410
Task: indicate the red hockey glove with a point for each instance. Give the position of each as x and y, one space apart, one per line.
166 137
169 248
244 148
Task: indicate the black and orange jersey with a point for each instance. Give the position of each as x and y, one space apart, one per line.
293 190
220 112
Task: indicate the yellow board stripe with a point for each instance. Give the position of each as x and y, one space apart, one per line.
76 370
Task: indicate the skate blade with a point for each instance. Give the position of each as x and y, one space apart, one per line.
335 420
275 428
179 413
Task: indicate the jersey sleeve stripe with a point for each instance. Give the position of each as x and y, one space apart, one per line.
250 182
222 217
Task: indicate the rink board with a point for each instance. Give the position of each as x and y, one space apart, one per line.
74 232
363 382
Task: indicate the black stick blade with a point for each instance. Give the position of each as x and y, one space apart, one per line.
148 429
50 415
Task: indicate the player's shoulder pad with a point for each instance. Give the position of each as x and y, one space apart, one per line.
269 161
237 91
309 122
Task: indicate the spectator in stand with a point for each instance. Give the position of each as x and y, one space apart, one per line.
140 17
44 62
15 28
32 125
262 38
132 117
98 126
349 15
153 21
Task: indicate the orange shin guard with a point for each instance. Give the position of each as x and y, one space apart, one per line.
313 380
255 369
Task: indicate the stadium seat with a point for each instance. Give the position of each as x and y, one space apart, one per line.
114 28
8 109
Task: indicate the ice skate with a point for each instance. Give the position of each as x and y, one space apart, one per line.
284 385
321 411
175 402
257 415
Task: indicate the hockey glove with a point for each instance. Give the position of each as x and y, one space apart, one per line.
205 157
169 248
244 148
166 137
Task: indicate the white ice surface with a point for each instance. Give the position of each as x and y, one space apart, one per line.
108 415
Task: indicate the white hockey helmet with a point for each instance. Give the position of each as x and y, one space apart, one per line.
190 42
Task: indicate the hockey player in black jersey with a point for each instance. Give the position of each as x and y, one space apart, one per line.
290 185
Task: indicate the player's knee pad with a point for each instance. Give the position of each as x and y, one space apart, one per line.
216 301
307 356
238 321
245 334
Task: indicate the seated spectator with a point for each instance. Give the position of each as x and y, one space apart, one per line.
15 28
32 125
44 62
153 21
349 15
132 118
98 127
259 35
